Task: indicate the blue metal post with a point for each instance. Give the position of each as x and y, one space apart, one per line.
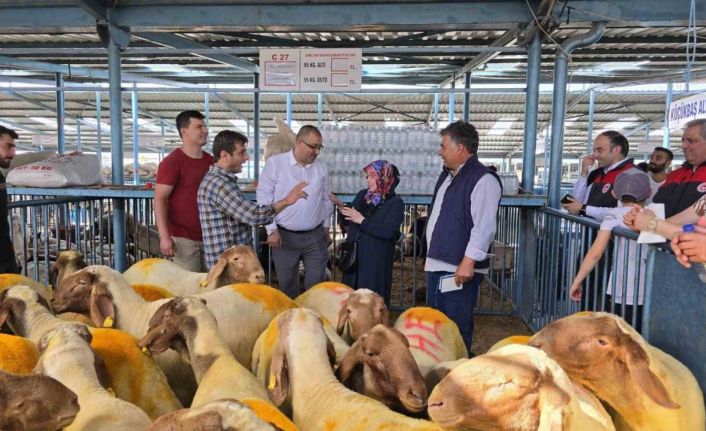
135 136
60 136
289 110
534 60
467 98
667 102
99 131
78 134
256 125
436 111
319 109
116 143
559 105
452 103
591 111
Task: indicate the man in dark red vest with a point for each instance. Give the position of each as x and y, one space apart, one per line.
686 185
592 194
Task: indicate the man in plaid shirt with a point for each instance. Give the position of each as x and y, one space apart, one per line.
226 215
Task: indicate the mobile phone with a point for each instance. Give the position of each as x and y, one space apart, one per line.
565 199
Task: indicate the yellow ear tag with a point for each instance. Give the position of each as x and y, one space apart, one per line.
272 383
108 322
203 283
146 351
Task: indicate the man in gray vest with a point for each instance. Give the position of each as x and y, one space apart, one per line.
461 227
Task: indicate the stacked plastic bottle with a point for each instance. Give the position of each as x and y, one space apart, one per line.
413 150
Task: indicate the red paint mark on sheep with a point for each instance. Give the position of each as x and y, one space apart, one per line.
420 324
422 343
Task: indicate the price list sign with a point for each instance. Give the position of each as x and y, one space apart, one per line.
315 70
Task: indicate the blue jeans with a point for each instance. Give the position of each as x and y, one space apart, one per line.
458 304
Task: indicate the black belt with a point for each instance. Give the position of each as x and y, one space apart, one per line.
299 231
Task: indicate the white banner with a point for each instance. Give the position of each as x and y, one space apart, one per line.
684 110
327 70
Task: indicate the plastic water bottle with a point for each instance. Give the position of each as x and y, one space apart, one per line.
700 268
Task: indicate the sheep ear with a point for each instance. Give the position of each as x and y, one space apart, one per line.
102 309
278 381
639 366
342 318
331 351
215 272
101 371
351 359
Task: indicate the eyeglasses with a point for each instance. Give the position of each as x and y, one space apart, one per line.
313 147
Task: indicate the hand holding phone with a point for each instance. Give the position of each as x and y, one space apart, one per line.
567 198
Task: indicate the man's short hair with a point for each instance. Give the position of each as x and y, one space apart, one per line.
308 130
699 122
6 131
666 151
184 118
462 133
226 141
617 139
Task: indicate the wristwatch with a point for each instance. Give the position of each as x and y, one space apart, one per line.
582 211
652 224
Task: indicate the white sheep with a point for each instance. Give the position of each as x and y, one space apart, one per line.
238 264
35 403
132 376
66 355
9 280
512 339
648 389
353 311
433 337
515 388
216 415
219 375
301 370
67 262
280 142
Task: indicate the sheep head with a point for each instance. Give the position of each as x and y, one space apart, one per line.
362 310
601 351
173 324
13 304
35 403
380 365
238 264
86 291
494 392
67 263
214 416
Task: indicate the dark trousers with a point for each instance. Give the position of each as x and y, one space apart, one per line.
458 304
308 247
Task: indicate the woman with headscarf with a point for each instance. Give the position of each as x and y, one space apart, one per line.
374 220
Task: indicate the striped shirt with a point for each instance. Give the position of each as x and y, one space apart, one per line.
226 215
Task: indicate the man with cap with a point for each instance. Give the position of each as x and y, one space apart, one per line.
631 189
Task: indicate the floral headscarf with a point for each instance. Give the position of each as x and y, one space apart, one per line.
384 174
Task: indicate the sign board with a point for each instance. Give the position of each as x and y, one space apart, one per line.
684 110
325 70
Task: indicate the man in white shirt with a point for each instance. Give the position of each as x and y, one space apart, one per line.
299 232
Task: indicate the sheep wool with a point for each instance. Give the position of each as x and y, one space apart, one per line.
9 280
271 299
150 292
513 339
18 355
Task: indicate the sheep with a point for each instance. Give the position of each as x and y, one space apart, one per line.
380 365
35 403
150 292
243 311
647 388
354 311
439 371
433 337
9 280
235 265
516 388
301 371
65 354
67 262
513 339
18 355
220 415
186 325
133 376
280 142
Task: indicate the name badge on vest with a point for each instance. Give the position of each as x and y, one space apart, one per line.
606 188
701 188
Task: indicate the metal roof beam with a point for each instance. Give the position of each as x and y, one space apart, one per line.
46 107
21 126
178 42
94 8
